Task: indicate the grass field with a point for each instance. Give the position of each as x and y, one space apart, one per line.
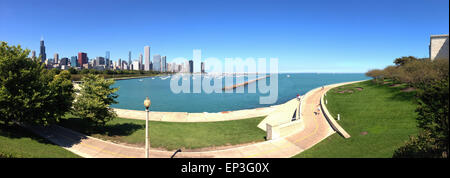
17 142
172 135
379 119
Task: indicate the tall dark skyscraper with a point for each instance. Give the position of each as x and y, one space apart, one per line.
82 59
191 66
202 67
42 52
129 59
107 59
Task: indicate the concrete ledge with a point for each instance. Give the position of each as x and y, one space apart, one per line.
283 130
332 121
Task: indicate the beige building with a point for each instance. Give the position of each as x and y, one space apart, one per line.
439 47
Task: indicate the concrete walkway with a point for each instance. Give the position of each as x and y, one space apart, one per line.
316 129
195 117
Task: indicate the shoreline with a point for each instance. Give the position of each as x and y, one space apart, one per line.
174 116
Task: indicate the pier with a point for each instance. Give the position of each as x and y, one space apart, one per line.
244 83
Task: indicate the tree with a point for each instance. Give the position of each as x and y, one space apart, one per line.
404 60
73 70
376 74
433 121
94 99
29 93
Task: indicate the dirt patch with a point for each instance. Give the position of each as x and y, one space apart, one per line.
409 89
346 91
395 85
359 88
364 133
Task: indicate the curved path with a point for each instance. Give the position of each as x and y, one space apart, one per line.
195 117
316 129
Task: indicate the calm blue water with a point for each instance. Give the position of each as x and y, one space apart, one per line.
133 92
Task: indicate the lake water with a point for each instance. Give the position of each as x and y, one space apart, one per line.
132 93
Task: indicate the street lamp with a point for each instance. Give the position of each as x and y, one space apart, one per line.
147 104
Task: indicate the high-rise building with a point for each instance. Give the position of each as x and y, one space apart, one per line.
135 65
147 58
64 61
99 61
56 57
164 64
107 60
157 62
141 58
82 59
191 66
129 59
202 67
73 61
120 63
33 54
42 51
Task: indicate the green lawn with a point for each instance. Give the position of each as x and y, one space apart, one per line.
172 135
379 119
18 142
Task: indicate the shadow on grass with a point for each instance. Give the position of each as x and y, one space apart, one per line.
398 95
14 131
83 126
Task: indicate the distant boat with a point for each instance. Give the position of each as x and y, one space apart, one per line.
288 76
141 80
153 78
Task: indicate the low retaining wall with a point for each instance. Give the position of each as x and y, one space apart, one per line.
274 132
331 120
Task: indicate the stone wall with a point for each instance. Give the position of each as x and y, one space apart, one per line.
439 47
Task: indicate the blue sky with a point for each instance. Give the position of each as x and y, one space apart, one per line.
306 36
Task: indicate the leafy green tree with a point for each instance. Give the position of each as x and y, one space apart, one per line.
73 70
433 121
420 146
404 60
29 93
94 99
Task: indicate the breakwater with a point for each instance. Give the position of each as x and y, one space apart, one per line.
244 83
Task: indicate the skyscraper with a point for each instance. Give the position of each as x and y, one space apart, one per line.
56 57
157 62
42 52
147 58
107 59
135 65
163 64
141 60
120 63
33 54
202 67
191 66
64 61
129 59
82 59
74 61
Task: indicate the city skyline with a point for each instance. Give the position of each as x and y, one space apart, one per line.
345 36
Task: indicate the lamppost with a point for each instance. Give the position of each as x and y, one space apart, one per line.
147 104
